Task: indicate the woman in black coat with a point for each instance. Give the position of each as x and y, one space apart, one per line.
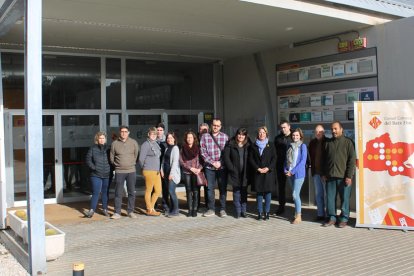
236 161
262 159
98 163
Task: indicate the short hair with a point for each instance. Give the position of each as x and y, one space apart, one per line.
284 122
265 130
160 125
171 133
152 130
99 133
217 119
204 125
298 130
122 127
194 136
339 123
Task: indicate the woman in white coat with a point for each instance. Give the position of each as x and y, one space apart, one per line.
171 174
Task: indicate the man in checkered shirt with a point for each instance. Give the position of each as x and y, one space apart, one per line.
211 146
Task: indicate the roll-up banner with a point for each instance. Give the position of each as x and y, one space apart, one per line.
384 141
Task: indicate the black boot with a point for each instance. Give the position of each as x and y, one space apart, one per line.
259 216
267 216
194 213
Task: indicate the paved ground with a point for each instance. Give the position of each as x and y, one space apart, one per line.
225 246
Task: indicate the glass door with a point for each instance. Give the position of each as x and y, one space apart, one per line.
18 158
77 135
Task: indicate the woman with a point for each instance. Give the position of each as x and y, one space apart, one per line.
190 162
295 169
171 174
149 160
97 160
236 162
262 159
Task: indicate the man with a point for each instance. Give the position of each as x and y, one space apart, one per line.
282 142
163 145
123 156
211 147
202 128
315 151
338 167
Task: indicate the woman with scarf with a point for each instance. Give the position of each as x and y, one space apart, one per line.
295 169
149 160
236 162
190 162
171 174
262 158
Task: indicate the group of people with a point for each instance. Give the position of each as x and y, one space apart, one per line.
211 158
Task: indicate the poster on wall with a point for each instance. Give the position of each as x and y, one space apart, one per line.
385 169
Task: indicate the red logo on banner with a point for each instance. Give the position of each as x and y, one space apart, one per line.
375 122
382 154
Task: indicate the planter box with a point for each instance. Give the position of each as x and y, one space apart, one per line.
54 244
16 223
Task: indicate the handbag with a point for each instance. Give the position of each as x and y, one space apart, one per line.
201 179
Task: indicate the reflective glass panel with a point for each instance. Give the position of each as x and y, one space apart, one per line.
71 82
113 83
13 80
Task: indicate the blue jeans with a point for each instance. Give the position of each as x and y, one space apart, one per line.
130 179
99 186
174 200
336 186
240 199
221 176
296 185
319 194
259 199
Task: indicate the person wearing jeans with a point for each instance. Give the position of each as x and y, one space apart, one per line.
236 161
211 147
171 173
98 163
123 156
338 168
295 170
262 159
315 153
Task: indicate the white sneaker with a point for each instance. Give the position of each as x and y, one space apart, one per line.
223 214
209 213
116 216
132 215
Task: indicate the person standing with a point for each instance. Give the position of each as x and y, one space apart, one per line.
338 168
163 145
202 128
295 170
211 146
97 160
262 158
190 162
236 162
123 156
315 151
282 141
149 160
171 173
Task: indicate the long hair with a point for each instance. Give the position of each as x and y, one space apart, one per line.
194 135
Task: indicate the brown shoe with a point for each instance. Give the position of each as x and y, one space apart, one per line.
153 213
343 224
329 223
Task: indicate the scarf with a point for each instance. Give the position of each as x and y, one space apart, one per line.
155 147
190 153
291 153
160 140
261 145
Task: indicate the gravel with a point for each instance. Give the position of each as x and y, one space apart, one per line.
8 264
